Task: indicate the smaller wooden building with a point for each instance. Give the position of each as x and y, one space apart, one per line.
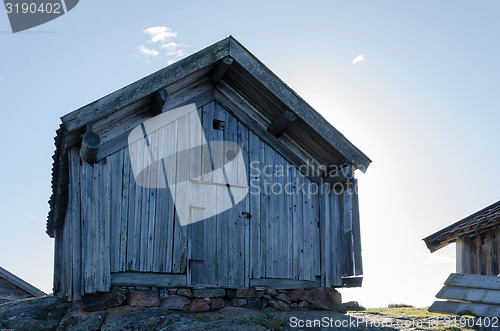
14 288
478 241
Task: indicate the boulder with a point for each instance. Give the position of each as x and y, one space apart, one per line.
102 301
283 297
198 305
149 298
164 294
297 295
271 291
172 291
185 292
217 303
278 304
303 304
175 302
323 296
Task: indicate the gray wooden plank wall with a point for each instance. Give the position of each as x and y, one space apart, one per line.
479 253
114 225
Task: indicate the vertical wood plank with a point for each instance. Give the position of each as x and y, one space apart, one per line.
125 165
356 231
131 220
460 256
106 226
209 192
180 233
337 231
75 222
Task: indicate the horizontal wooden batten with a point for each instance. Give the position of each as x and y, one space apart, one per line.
478 295
279 124
465 308
352 281
284 284
130 278
475 281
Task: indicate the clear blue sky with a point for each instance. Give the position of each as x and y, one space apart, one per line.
424 105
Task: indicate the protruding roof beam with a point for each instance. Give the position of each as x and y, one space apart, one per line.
158 99
279 124
221 69
341 176
90 145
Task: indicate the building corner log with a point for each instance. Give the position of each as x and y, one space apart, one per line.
279 124
158 99
221 69
90 145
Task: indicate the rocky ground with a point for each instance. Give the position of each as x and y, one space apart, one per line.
50 313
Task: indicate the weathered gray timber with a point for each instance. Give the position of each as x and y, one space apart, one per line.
468 294
287 232
148 279
90 145
465 308
279 124
220 70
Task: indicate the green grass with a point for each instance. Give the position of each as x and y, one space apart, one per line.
405 312
399 305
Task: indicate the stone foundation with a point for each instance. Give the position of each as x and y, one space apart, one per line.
208 299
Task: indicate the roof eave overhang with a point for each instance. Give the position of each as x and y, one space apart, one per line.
208 56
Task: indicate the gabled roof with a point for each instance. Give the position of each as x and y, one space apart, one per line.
247 75
20 283
483 219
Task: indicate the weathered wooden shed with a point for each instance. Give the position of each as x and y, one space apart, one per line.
14 288
110 231
475 288
477 239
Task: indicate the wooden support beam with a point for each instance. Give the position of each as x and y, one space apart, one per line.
340 176
221 69
152 279
465 308
476 281
158 99
90 145
285 284
279 124
352 281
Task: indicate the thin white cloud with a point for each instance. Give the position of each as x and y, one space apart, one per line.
147 52
161 41
358 59
174 49
160 33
